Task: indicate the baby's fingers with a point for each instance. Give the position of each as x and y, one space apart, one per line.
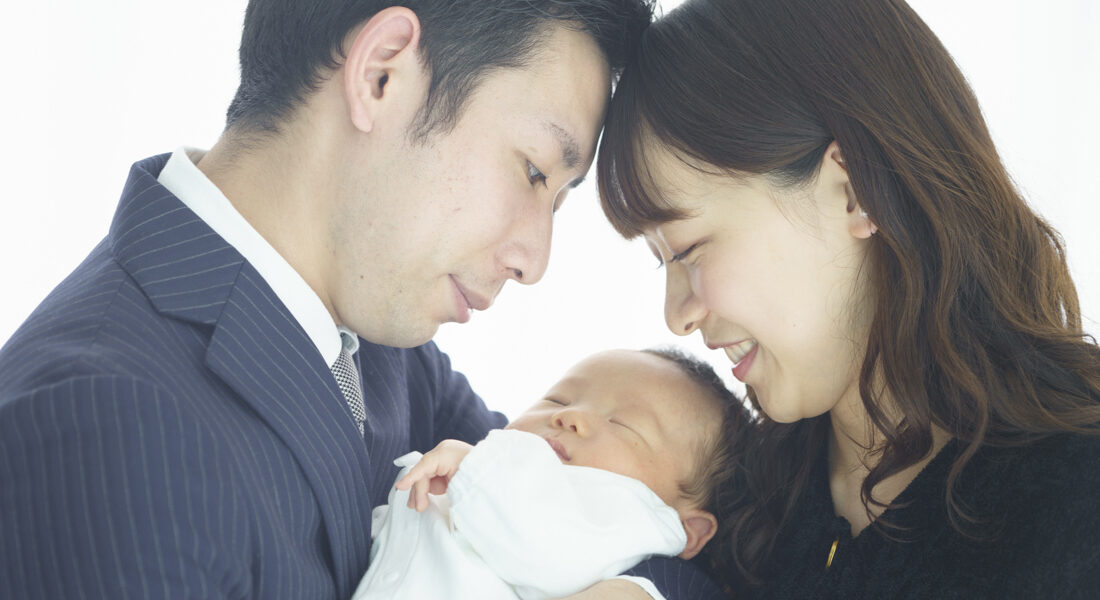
432 474
405 482
418 495
420 481
425 469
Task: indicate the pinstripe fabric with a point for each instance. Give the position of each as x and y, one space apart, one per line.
168 430
678 579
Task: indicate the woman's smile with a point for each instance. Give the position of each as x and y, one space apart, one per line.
742 356
737 352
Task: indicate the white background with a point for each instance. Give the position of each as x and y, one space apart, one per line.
91 87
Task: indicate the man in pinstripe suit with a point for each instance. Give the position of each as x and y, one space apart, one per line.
170 425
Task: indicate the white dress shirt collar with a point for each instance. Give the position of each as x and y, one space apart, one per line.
181 177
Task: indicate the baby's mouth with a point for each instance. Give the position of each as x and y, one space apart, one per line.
558 449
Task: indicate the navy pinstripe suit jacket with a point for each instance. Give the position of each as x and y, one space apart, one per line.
168 430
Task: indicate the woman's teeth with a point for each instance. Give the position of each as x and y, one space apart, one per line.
737 352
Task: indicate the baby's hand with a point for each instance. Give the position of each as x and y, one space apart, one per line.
434 471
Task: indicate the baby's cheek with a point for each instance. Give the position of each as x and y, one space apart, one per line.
522 424
652 473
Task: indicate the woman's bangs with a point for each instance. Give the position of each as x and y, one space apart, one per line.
629 194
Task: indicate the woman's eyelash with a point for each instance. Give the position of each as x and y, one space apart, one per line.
679 257
555 401
534 175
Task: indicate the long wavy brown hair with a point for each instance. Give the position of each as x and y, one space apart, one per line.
976 328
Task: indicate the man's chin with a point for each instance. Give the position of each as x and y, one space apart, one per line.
397 336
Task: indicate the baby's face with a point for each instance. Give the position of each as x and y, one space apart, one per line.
632 413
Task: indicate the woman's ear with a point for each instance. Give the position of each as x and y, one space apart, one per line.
382 66
700 526
835 170
860 224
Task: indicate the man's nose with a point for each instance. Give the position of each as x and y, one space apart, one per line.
527 254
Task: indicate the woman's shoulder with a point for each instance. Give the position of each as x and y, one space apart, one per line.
1024 522
1048 542
1027 528
1065 459
1055 470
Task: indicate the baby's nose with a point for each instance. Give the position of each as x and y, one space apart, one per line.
573 420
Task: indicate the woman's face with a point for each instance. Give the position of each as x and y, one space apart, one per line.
772 277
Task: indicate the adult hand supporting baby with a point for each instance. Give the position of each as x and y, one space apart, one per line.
433 473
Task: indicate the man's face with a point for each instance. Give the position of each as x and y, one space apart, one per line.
433 229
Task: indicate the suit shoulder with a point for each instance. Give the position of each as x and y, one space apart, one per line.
96 321
127 467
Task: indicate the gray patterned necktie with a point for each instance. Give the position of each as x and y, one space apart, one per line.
347 377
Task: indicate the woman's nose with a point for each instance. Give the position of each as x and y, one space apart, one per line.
684 311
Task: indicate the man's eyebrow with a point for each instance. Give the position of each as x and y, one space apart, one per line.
570 149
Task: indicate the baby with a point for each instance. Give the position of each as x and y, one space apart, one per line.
621 460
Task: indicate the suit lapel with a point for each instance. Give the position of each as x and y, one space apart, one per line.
257 348
266 357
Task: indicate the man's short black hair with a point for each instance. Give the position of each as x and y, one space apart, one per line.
288 47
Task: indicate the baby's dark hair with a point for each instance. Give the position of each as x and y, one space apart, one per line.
718 465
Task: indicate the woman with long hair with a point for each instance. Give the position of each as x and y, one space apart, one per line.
819 183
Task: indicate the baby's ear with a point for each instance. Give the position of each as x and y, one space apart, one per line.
700 526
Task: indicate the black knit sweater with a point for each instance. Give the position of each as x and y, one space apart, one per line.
1039 507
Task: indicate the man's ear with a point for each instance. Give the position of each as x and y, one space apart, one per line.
700 526
382 64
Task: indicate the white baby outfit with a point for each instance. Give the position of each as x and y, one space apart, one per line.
516 523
